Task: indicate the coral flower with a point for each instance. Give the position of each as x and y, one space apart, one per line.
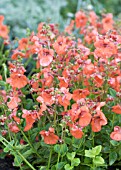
80 19
116 109
60 45
84 117
47 97
116 135
4 31
70 27
23 44
45 57
13 102
76 132
17 80
13 127
80 93
108 22
49 136
98 80
63 82
98 119
65 98
88 69
30 117
0 77
1 19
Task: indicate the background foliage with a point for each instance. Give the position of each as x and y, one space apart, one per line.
28 13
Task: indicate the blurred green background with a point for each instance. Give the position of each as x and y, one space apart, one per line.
20 14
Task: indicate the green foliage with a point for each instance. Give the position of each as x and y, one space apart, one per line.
22 14
112 157
93 152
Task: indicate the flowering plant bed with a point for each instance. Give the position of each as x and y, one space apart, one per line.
60 95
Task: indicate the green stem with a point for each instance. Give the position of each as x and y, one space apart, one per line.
30 143
7 124
58 158
113 120
51 150
24 159
5 70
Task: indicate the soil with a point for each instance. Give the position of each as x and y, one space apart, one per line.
6 164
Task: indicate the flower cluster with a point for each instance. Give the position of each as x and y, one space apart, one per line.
73 83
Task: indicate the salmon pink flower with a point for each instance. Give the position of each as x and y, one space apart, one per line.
76 132
108 22
116 109
60 45
45 56
23 44
64 98
79 94
13 102
3 28
17 80
13 127
99 119
84 116
116 134
0 77
98 80
49 136
63 82
80 19
30 117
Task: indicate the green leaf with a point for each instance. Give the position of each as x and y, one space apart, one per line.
27 153
97 149
61 149
43 168
93 152
59 165
87 160
19 147
112 92
71 156
68 167
98 160
28 104
75 162
114 143
2 83
112 157
9 146
68 140
17 160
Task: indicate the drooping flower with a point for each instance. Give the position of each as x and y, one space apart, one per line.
99 119
30 117
49 136
76 132
64 98
116 134
84 116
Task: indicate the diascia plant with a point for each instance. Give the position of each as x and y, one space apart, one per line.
60 96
